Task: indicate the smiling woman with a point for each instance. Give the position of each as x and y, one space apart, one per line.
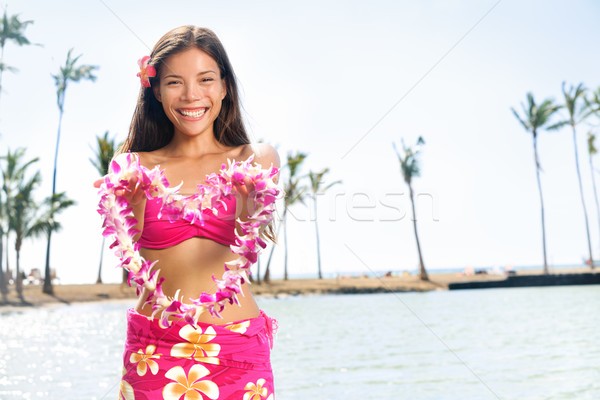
151 126
188 123
191 90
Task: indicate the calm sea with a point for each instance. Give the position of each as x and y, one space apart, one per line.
528 343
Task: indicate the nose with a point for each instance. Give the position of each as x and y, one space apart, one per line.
192 93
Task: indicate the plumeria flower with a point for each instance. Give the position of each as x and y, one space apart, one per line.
255 391
197 345
143 359
190 385
146 71
238 328
126 391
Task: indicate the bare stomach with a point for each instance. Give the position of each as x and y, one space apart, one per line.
189 267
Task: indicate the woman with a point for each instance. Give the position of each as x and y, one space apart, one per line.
188 122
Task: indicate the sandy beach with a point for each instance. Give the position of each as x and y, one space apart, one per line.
67 294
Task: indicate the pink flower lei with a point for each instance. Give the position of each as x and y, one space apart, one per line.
119 223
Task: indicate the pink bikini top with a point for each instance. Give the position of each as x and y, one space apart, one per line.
160 233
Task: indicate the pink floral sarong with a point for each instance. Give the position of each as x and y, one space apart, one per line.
229 361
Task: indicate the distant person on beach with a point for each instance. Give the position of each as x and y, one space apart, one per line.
188 121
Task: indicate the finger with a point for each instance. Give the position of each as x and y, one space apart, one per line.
240 187
249 183
242 190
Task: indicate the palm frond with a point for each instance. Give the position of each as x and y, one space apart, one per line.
591 141
408 159
6 67
70 73
537 116
103 153
13 29
557 125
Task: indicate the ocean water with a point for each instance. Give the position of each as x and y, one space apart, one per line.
526 343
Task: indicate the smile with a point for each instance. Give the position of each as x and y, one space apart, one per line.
195 113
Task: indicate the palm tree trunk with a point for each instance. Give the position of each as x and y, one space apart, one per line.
1 61
422 273
7 257
317 236
19 278
587 227
3 278
285 248
48 289
48 280
267 277
594 186
257 271
537 173
99 279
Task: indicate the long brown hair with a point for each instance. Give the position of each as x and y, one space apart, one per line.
150 128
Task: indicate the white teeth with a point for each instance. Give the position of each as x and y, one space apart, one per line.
193 114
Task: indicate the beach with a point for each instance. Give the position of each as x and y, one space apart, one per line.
67 294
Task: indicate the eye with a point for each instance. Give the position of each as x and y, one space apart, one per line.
207 79
172 82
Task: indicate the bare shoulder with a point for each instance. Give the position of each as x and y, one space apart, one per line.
264 154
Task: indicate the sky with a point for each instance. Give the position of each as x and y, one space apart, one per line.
340 81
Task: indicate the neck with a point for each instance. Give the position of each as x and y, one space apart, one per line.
194 146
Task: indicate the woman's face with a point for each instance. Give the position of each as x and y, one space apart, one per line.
191 91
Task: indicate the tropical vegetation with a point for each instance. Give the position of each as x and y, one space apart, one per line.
535 117
12 29
69 72
103 154
25 217
318 187
410 169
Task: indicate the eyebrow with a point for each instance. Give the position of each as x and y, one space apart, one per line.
199 73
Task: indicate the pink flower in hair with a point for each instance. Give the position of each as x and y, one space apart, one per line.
146 71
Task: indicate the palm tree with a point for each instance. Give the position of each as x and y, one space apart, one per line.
594 102
13 173
294 192
27 222
592 150
103 155
11 29
579 109
316 187
3 278
68 73
267 275
534 118
409 166
257 272
24 221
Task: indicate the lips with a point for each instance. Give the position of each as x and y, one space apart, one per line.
193 113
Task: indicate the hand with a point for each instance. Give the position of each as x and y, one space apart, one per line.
244 188
133 197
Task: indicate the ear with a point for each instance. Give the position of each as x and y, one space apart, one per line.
156 90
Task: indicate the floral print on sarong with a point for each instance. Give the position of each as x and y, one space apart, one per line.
215 362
